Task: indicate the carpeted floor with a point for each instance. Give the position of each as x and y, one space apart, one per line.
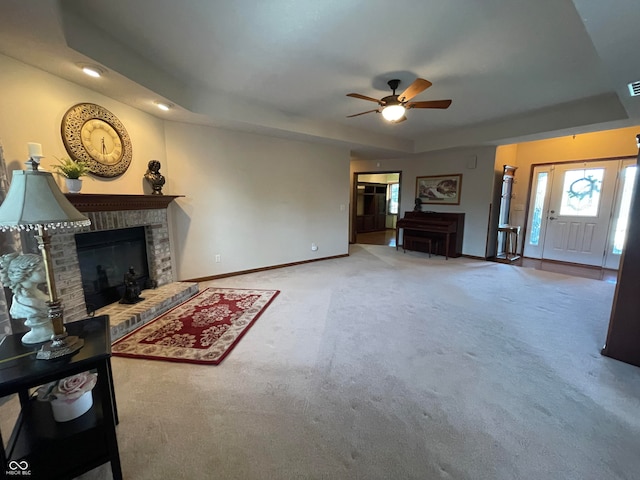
386 365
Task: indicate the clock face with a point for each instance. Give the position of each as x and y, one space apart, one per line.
94 135
101 141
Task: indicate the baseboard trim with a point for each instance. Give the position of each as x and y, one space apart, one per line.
262 269
474 257
566 264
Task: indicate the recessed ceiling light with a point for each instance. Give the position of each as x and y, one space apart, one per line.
92 70
164 106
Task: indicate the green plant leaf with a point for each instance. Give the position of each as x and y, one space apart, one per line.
69 168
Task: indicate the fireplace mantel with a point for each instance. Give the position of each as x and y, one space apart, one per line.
104 202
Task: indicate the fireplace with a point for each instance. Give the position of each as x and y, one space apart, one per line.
110 213
104 259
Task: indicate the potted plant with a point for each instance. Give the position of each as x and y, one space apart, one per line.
72 170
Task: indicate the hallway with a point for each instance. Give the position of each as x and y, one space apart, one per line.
383 237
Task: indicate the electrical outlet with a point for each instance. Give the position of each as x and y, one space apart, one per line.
218 259
314 247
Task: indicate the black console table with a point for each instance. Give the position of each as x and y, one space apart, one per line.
41 447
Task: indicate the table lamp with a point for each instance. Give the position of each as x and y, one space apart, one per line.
34 202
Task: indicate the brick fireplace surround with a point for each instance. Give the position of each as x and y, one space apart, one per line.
108 212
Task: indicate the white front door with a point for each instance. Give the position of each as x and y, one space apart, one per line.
579 212
572 216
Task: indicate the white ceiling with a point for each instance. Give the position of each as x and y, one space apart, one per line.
515 69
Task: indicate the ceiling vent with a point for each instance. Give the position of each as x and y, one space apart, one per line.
634 89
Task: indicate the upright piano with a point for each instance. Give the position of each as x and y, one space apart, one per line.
444 229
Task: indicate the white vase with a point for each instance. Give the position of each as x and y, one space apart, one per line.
74 185
66 411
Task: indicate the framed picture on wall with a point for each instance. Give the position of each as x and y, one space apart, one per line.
439 189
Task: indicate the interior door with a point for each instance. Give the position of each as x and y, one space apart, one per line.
579 212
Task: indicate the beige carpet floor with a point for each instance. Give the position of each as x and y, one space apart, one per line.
391 365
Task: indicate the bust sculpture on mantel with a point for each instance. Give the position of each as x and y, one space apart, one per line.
154 177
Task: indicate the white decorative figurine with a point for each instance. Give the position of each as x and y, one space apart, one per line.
22 274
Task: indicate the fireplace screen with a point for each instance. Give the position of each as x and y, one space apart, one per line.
105 257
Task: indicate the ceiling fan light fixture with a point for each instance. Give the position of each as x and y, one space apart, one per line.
393 107
393 112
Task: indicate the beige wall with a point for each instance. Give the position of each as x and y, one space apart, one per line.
33 103
256 201
477 167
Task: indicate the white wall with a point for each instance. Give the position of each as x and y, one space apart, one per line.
477 168
254 200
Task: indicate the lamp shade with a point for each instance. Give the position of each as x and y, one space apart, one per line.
34 199
393 112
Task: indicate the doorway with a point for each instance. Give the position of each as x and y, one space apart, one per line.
578 212
375 207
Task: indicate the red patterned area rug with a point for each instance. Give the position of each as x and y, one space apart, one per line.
204 329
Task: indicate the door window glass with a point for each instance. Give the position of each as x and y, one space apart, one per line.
536 222
581 192
625 203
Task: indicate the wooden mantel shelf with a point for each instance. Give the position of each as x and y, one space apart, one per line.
105 202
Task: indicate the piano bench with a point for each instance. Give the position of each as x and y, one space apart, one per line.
408 241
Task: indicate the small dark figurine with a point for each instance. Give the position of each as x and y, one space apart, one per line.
131 288
418 205
154 177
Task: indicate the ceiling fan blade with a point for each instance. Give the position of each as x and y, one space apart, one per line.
419 85
362 97
362 113
429 104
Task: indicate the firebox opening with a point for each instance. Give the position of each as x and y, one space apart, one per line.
105 257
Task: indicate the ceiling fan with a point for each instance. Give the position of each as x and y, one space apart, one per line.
393 107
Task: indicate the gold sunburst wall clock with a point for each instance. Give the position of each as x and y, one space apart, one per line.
94 135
